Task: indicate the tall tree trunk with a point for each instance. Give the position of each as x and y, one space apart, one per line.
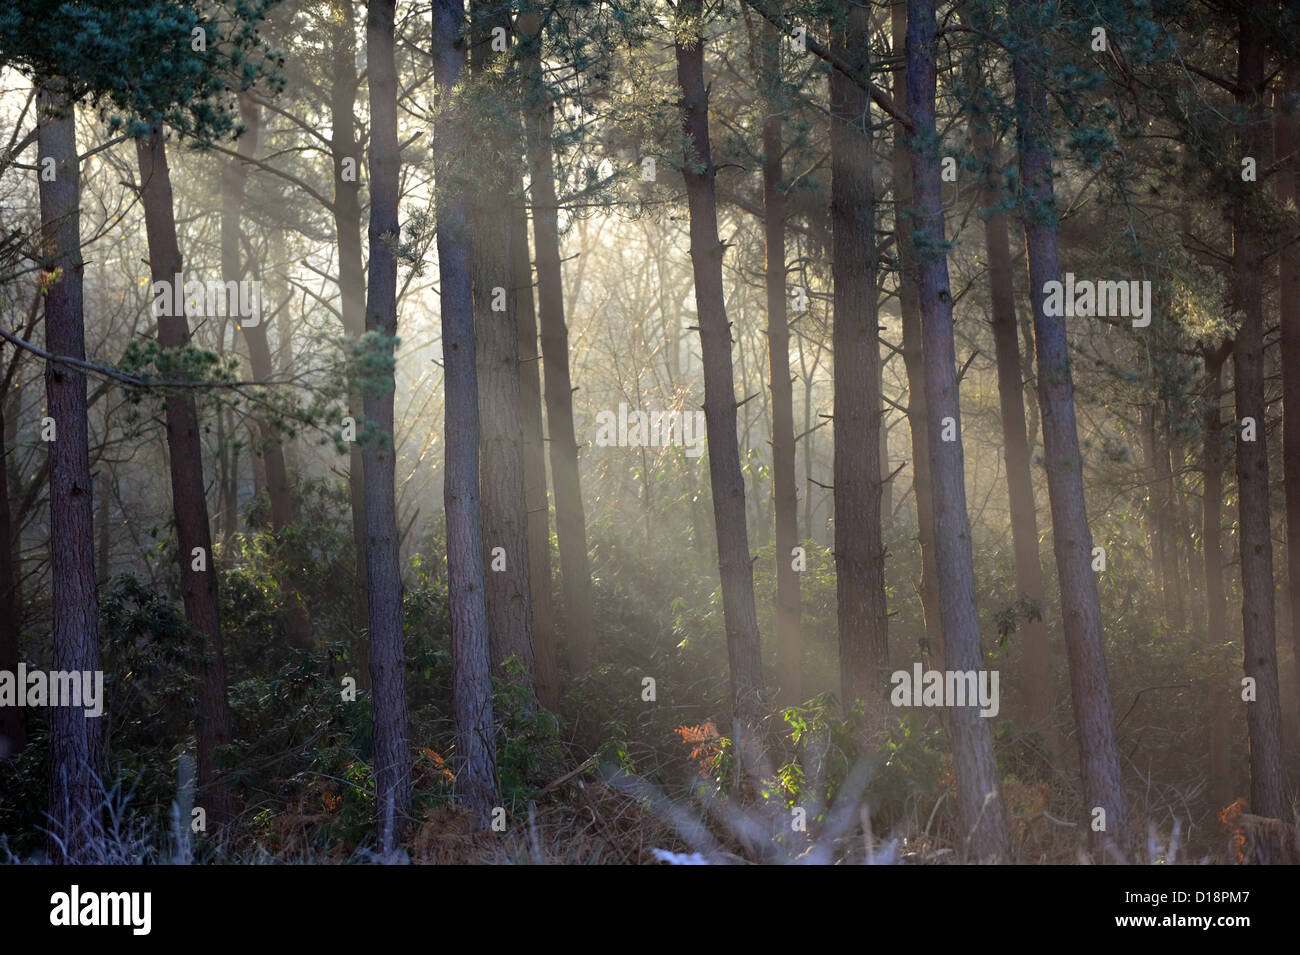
76 742
570 522
1288 190
1035 656
913 360
189 498
728 483
13 723
1094 717
233 180
534 444
979 799
392 742
784 490
859 547
346 154
1151 511
1175 599
1264 714
470 657
1216 602
501 452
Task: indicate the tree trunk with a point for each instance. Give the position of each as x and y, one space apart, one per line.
1216 603
913 360
1287 143
501 453
1263 715
1151 509
76 743
1094 718
1035 656
979 799
859 547
570 522
13 723
784 490
233 180
534 443
470 659
1175 599
346 154
189 498
392 742
734 564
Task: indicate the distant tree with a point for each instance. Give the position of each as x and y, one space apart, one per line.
570 520
471 663
784 487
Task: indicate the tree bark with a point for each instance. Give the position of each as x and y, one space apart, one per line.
1263 715
784 490
859 547
913 360
1286 146
1216 601
534 443
76 742
345 151
728 483
1094 717
570 521
1035 655
189 498
979 797
471 662
13 723
501 453
392 744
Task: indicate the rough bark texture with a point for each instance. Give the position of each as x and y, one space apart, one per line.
1286 145
913 361
784 490
729 518
530 410
1263 716
471 664
859 547
392 744
76 748
189 500
233 180
570 521
1035 657
979 798
1094 717
501 452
